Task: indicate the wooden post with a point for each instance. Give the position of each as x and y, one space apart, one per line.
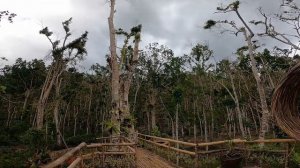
169 150
286 164
80 153
103 159
93 158
196 156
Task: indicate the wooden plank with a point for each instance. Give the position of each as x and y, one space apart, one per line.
262 150
75 162
172 148
170 140
109 144
211 151
237 141
90 155
131 149
65 157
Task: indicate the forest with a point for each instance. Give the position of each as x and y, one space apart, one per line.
193 97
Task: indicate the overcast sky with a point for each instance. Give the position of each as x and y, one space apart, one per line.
175 23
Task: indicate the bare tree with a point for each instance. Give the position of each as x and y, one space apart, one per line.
248 34
290 15
67 53
122 69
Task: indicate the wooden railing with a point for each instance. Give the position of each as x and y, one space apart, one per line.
109 146
198 150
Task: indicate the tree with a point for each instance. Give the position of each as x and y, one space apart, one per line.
248 35
122 69
8 15
153 62
62 56
290 15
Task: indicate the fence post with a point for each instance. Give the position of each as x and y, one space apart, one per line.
286 164
169 150
196 156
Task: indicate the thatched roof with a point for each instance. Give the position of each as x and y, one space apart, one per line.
285 103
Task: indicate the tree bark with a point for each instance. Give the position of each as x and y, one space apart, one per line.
115 75
176 123
56 69
56 111
260 87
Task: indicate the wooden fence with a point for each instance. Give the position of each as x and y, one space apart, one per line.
108 146
198 150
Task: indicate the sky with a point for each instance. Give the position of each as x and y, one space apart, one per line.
177 24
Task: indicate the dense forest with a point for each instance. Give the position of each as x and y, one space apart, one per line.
191 97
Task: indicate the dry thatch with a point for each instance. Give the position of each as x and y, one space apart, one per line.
285 103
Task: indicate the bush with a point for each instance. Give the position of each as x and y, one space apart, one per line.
4 139
14 158
155 131
35 139
295 160
75 140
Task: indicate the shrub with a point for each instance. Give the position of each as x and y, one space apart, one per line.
155 131
75 140
35 139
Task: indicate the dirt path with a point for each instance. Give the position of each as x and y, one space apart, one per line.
147 159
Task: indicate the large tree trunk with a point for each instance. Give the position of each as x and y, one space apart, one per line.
115 75
121 84
260 88
126 117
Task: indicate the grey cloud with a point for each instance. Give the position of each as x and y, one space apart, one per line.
176 23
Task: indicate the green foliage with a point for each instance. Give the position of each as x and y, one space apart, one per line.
155 131
209 24
75 140
271 161
35 139
112 127
295 160
14 158
210 162
2 89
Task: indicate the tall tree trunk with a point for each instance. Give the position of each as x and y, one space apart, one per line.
152 103
56 111
205 127
238 109
27 94
260 87
176 123
88 122
115 75
9 113
56 69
